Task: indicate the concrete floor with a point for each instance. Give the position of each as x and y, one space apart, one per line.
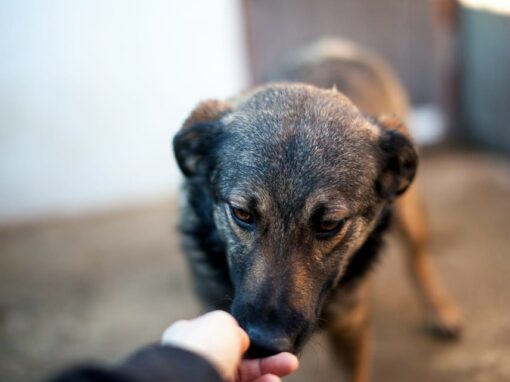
96 288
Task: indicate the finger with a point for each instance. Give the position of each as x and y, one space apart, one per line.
173 331
245 340
249 370
281 364
266 378
219 316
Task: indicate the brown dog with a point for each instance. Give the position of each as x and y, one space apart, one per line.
288 191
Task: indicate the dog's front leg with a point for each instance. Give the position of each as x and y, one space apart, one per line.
347 322
443 314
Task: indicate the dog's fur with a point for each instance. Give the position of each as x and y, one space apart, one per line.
288 190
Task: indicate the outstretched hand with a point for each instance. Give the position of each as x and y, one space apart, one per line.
217 337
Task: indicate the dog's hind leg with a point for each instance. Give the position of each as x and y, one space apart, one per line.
347 322
443 314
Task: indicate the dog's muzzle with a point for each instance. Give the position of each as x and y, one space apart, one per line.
271 329
265 344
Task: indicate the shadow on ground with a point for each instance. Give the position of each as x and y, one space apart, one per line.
96 288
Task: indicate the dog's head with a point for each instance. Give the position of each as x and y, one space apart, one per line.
298 177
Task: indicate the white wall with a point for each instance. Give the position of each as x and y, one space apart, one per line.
92 91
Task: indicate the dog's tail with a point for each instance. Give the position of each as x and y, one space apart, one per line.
361 75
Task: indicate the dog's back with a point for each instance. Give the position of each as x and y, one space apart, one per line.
365 78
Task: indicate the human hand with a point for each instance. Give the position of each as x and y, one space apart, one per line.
217 337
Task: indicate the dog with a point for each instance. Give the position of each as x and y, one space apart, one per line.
289 189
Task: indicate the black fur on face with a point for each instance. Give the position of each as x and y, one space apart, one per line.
293 182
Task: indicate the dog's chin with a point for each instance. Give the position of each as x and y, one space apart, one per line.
262 350
301 341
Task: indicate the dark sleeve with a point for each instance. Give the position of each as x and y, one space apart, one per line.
152 364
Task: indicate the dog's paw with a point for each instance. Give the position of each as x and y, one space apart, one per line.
445 322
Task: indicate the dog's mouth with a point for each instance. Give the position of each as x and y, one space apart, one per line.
272 328
268 343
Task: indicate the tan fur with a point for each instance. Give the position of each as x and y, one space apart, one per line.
206 111
300 277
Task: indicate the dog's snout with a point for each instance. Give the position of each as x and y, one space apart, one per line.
272 329
264 344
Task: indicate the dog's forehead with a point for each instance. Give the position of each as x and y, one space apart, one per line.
283 107
294 141
280 114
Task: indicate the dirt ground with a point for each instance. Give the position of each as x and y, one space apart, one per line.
96 288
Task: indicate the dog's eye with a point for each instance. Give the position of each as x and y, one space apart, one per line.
328 228
242 217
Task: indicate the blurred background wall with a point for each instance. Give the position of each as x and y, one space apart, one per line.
92 91
484 60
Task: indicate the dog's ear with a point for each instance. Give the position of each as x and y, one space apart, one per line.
194 143
400 160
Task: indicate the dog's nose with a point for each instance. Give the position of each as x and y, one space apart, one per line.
265 344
